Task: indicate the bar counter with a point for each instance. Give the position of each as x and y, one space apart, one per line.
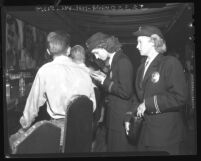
15 107
15 96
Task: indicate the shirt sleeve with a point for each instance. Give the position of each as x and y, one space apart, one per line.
35 99
175 95
93 97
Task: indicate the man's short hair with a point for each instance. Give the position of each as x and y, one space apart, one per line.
58 42
77 53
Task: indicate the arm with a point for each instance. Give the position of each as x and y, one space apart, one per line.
123 87
34 101
175 95
93 97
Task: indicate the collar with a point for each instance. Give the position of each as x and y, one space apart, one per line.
62 58
111 58
152 57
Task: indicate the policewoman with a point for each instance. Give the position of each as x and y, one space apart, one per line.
162 92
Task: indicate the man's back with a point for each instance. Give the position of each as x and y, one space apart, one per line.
62 80
56 83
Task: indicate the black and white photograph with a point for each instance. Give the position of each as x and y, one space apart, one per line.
93 80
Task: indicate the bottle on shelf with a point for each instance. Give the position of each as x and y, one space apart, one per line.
21 85
7 85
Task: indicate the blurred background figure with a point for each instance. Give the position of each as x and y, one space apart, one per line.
12 43
28 57
77 54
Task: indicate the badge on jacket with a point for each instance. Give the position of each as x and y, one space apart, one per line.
155 77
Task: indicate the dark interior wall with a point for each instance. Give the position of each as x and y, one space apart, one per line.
179 34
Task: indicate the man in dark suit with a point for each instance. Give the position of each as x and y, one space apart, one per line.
118 87
162 93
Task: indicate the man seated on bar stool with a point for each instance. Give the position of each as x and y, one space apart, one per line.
78 55
56 83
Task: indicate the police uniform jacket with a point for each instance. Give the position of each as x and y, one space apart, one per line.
164 91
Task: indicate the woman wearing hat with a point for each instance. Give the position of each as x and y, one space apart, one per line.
161 89
118 87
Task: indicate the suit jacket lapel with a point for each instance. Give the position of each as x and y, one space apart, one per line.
115 58
114 61
152 68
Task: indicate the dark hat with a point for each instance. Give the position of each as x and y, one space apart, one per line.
148 31
95 40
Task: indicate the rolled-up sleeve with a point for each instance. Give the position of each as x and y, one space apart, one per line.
35 99
93 97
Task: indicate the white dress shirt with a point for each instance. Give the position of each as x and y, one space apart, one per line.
87 69
60 80
111 58
110 63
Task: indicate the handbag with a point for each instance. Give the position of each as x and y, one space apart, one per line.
135 129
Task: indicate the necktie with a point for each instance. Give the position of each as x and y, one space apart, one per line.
145 67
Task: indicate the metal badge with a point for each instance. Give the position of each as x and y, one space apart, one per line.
155 77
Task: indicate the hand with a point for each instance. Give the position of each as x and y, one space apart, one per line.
127 125
141 109
99 76
23 123
21 131
98 72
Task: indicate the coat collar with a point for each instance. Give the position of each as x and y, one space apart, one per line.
153 67
115 58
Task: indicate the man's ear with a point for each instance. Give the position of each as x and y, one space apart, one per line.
68 51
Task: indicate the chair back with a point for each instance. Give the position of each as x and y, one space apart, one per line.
42 137
78 126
